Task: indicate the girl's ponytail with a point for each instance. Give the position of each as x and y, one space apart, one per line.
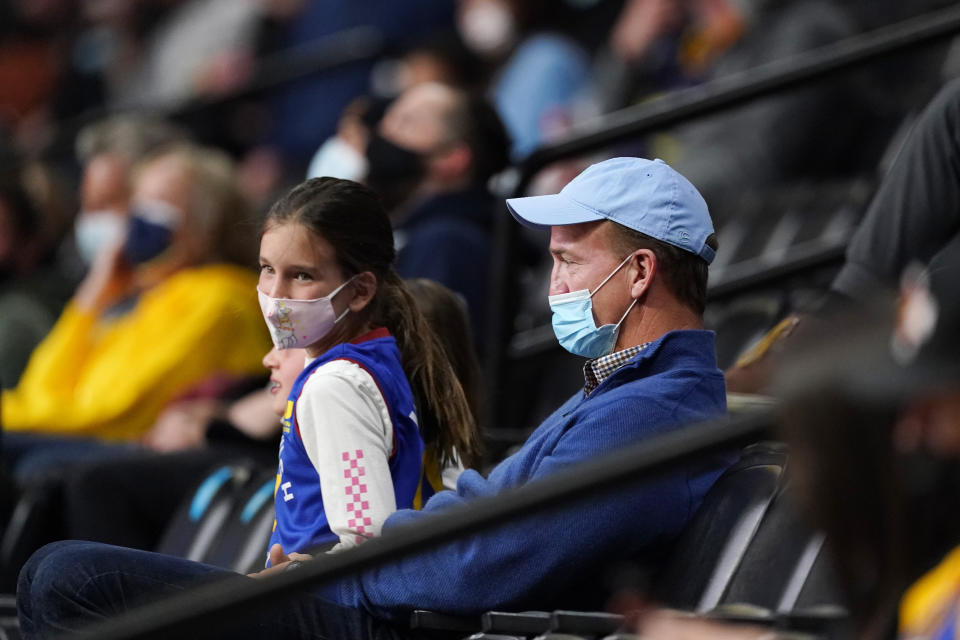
446 420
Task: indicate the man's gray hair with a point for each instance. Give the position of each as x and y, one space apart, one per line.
131 136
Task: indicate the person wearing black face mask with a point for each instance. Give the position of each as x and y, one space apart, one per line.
430 160
393 171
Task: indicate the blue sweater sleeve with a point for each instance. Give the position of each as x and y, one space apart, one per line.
529 561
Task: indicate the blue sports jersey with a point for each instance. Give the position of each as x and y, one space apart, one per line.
301 522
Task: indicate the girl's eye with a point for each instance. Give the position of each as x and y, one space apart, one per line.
302 276
265 268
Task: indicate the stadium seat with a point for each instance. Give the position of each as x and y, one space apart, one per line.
9 628
709 552
35 521
199 521
718 559
241 544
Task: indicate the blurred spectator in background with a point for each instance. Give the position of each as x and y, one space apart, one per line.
430 160
37 280
32 288
658 45
107 152
915 214
33 38
305 113
913 217
161 310
441 59
156 53
872 409
540 68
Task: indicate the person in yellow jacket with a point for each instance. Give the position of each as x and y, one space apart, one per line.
161 310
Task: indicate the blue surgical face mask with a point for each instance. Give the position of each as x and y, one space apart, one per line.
574 326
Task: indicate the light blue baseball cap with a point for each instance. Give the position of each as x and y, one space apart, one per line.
644 195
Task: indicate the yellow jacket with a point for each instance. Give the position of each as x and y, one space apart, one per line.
111 377
929 607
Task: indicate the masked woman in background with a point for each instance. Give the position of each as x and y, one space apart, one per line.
161 311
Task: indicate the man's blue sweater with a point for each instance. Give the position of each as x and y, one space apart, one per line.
531 563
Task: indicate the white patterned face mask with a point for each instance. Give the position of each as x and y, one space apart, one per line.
297 324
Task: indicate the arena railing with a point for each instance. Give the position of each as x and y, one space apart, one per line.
678 107
198 610
355 45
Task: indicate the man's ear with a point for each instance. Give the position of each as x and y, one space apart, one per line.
642 270
365 287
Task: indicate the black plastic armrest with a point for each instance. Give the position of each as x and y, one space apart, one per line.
433 621
527 623
584 623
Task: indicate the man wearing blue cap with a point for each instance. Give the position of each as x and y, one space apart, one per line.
636 218
631 240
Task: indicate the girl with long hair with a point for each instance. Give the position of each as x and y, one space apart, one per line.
377 414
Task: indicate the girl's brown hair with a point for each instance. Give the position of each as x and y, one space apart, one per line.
350 217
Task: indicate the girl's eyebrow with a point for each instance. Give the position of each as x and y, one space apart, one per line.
300 267
292 267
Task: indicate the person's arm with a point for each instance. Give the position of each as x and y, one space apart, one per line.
253 415
111 378
70 340
916 210
524 562
347 433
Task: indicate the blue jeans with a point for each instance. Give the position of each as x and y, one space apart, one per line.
68 585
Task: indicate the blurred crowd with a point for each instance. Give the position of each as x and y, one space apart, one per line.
142 141
291 88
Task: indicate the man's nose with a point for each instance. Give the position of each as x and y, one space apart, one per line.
558 286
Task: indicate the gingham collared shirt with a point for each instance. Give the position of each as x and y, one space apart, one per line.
597 370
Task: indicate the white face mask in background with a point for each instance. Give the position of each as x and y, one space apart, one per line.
487 27
94 230
337 159
297 324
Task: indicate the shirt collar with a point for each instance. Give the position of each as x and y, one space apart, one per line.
597 370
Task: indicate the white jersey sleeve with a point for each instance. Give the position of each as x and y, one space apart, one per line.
346 430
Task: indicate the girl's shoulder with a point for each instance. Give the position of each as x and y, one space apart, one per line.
338 382
339 369
372 350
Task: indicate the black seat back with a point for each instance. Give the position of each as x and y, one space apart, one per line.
199 520
778 561
241 544
708 553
